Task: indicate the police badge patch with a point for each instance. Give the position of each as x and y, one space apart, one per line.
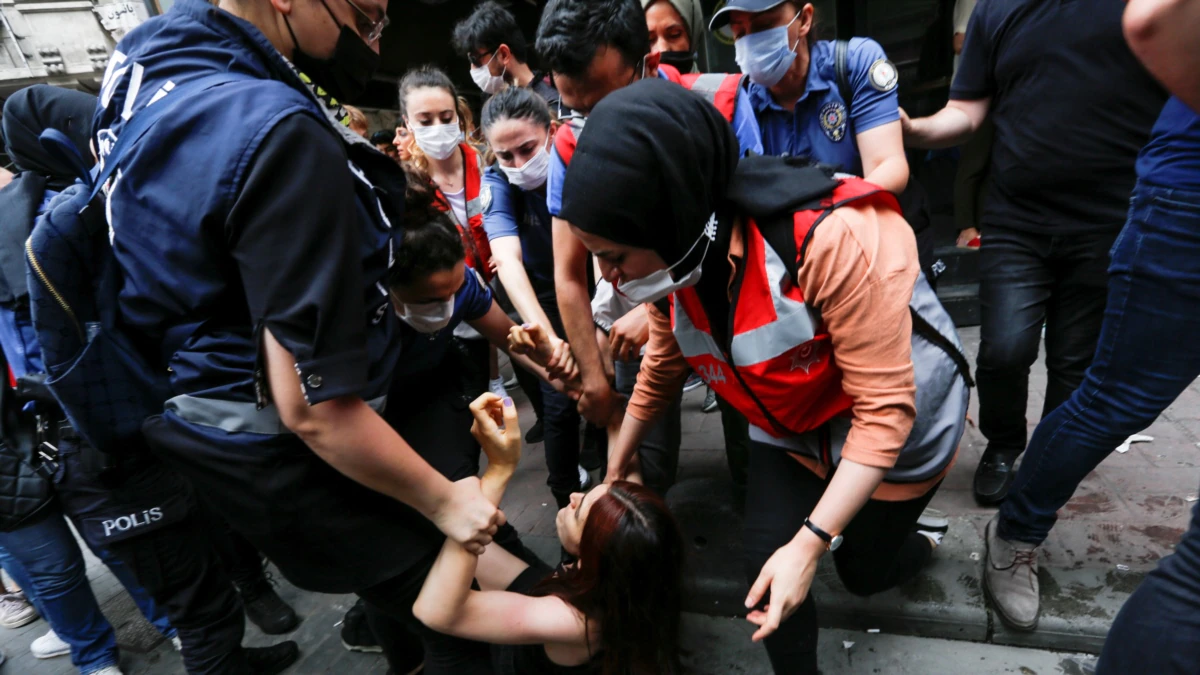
883 75
833 120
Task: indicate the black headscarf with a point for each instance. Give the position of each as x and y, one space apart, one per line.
652 165
27 114
31 111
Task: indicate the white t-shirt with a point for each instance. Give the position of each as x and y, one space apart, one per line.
458 204
962 16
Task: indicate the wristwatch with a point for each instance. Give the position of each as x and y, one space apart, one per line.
831 542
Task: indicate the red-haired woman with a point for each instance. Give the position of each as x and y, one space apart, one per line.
578 620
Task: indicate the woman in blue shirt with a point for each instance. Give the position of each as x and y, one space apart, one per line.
794 90
519 128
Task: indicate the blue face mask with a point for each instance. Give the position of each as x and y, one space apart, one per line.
765 56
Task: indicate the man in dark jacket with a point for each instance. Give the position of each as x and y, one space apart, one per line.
263 278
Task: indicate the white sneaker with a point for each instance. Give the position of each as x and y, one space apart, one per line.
934 525
49 646
111 670
16 611
496 386
585 480
177 643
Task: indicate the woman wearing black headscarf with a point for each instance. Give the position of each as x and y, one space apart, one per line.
797 296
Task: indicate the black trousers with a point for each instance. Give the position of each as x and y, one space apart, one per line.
178 564
879 550
1027 281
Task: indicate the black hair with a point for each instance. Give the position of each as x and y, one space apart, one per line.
571 31
516 103
488 27
431 243
382 136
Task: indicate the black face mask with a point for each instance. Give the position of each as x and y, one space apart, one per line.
682 61
346 74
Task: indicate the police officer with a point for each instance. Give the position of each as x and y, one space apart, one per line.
264 286
798 99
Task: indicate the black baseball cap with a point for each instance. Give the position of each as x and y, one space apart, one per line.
721 18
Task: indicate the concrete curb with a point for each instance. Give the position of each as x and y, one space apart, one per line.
946 601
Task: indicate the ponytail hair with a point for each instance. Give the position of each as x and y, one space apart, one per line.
429 76
431 242
516 103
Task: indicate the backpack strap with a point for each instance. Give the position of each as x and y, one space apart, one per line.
780 234
151 113
841 68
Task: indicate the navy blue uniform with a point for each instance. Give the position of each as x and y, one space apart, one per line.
822 126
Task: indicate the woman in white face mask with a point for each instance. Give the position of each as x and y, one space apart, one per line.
444 156
433 292
798 298
518 126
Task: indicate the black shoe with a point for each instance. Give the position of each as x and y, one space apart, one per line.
273 659
356 634
267 610
536 433
994 476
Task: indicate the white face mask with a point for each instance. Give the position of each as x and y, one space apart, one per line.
532 174
660 284
427 317
490 84
438 140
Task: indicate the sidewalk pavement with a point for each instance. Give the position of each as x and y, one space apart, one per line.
1125 516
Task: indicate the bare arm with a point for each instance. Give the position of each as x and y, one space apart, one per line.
506 252
959 39
496 326
948 127
354 439
1163 35
882 151
446 602
574 304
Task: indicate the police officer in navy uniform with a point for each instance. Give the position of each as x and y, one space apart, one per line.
794 88
262 281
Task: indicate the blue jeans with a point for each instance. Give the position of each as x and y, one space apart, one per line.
46 562
1147 354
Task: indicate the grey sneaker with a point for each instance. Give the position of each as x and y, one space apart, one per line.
16 611
1010 579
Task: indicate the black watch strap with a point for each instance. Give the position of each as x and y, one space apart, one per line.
825 536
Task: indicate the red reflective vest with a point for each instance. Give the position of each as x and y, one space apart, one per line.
475 239
777 368
720 89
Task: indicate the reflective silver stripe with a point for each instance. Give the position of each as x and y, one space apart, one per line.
474 207
708 84
238 416
794 322
692 341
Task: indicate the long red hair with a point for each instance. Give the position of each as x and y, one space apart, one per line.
629 579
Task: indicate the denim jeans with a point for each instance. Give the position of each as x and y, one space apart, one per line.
1147 354
1158 629
1027 281
46 562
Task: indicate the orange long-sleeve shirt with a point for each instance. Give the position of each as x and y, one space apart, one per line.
858 273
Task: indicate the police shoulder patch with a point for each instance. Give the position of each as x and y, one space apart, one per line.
485 197
883 75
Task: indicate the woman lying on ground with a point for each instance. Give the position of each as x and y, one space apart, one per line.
580 618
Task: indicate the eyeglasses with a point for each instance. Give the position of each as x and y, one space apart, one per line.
369 28
476 60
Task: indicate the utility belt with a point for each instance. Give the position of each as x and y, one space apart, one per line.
52 430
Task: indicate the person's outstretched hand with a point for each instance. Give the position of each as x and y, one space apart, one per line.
788 575
498 430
